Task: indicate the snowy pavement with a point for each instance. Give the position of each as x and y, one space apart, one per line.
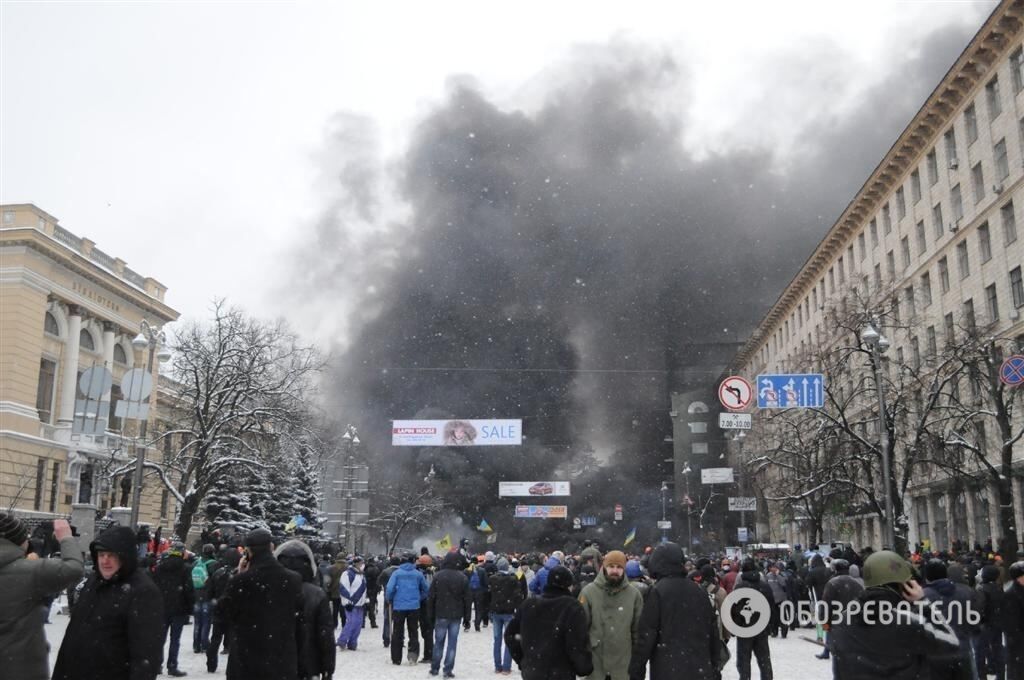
792 658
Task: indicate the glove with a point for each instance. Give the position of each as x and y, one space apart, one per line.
349 607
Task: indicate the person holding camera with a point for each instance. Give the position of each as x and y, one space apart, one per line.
25 586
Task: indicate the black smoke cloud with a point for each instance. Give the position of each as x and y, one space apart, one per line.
562 259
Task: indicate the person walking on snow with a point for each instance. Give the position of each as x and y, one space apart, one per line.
613 610
406 590
352 589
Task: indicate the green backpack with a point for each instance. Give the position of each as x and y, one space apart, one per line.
199 575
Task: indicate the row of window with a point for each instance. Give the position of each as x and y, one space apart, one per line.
85 339
45 395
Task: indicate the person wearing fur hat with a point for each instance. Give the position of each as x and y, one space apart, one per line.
25 586
548 634
613 610
116 629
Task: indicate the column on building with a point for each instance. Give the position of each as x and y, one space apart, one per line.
877 538
950 520
969 506
69 377
108 345
932 538
910 512
995 531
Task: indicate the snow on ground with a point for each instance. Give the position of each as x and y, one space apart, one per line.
792 658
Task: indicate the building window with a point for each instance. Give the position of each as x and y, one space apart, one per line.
950 138
50 325
915 352
831 281
1017 287
944 274
878 276
1000 160
44 390
932 163
957 202
978 181
950 329
54 486
862 245
873 228
992 301
890 265
119 355
963 260
886 219
969 319
113 422
922 239
37 503
1017 69
85 341
933 345
901 204
1009 219
908 297
995 104
984 243
915 186
842 270
937 225
971 124
849 257
896 309
926 289
905 250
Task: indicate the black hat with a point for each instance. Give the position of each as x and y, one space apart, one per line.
934 570
13 529
258 537
560 577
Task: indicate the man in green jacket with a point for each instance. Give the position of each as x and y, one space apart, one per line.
613 610
25 586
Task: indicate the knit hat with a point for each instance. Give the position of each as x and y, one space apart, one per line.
502 564
615 558
935 570
489 556
633 569
13 529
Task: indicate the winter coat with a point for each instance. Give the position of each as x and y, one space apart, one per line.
943 593
1013 627
716 596
752 580
25 586
777 584
449 596
678 629
728 581
869 649
478 579
547 637
541 579
352 588
612 611
173 576
210 565
842 590
506 593
217 585
406 588
316 644
993 599
385 576
117 627
372 574
264 607
817 576
334 574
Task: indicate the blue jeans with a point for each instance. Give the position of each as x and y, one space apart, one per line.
173 625
445 628
502 662
201 629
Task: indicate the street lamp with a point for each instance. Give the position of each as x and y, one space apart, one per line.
350 440
688 503
877 345
149 337
664 496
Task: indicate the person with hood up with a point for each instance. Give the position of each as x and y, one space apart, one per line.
959 606
750 578
174 579
539 581
263 607
449 603
406 590
868 646
613 609
548 634
352 589
506 594
25 586
316 648
678 632
840 591
371 571
116 628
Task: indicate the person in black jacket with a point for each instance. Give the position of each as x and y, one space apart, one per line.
750 578
173 576
988 645
1013 622
506 595
959 606
263 606
216 587
548 635
449 604
116 626
316 649
372 573
382 582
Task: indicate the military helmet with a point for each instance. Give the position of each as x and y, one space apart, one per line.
884 567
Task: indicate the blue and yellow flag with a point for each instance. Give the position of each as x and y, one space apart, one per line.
484 527
445 544
629 537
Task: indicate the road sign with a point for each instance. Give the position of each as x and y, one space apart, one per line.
791 390
577 523
589 521
734 421
741 534
1011 372
618 512
664 524
735 393
716 476
742 504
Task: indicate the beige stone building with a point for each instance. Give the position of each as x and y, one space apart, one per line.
937 230
66 307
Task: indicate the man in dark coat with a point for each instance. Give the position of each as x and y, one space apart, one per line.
382 582
216 587
678 629
173 577
548 634
1013 622
116 627
750 579
263 607
316 651
406 590
954 600
840 591
450 604
988 645
372 573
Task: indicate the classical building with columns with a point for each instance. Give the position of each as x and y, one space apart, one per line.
66 307
932 242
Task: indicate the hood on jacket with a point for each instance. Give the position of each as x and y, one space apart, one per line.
298 557
944 587
551 563
667 560
10 552
407 566
119 540
817 561
750 576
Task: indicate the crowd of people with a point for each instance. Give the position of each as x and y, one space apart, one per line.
279 611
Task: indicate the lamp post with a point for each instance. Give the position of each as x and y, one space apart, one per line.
149 337
689 504
350 440
664 496
738 438
877 345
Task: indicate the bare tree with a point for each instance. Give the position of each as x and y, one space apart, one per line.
400 506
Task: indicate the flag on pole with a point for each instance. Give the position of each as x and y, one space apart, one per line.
493 538
445 543
629 537
484 527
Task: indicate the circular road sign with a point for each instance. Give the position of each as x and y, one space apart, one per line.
1011 372
95 382
735 393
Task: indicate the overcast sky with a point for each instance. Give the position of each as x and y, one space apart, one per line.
188 138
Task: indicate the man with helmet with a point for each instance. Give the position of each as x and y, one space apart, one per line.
871 644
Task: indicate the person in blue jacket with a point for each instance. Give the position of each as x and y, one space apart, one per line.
541 579
405 592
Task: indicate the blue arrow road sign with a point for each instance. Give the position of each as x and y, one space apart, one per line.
793 390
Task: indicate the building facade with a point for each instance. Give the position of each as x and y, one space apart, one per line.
930 250
67 307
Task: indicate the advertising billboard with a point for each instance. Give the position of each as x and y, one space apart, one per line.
542 511
716 476
533 489
456 432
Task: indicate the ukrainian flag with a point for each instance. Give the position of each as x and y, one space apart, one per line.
630 537
484 527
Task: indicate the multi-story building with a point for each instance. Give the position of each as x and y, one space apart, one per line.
930 246
66 307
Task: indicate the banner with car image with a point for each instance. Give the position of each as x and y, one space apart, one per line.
507 489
